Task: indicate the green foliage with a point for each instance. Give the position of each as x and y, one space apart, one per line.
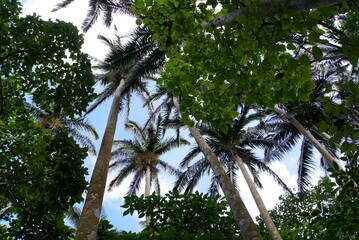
177 216
106 232
41 174
327 211
44 59
35 166
217 67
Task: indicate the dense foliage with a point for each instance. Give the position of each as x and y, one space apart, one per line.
178 216
41 61
327 211
252 57
218 54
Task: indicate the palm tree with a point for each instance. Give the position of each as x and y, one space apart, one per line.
234 148
124 68
141 157
56 121
241 215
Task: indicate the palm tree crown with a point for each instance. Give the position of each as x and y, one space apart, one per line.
238 140
142 154
56 121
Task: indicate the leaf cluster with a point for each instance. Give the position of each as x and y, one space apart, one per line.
189 216
326 211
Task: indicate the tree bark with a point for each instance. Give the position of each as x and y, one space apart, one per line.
148 189
241 215
327 156
90 216
267 8
272 229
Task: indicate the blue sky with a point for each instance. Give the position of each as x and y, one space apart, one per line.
75 13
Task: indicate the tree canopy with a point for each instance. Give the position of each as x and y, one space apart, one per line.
256 57
40 61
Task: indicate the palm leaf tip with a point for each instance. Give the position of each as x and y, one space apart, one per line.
61 5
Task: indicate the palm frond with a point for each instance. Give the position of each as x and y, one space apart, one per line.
274 175
213 187
82 124
35 111
157 185
61 5
170 144
190 156
135 183
122 174
189 178
104 95
136 130
167 167
73 215
92 15
82 139
306 166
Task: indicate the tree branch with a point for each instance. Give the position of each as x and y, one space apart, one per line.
266 9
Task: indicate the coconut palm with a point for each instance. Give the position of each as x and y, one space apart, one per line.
170 105
123 70
238 138
234 149
56 121
141 156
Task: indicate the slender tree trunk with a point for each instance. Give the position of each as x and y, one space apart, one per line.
148 181
272 229
327 156
243 219
91 212
241 215
148 188
325 135
90 216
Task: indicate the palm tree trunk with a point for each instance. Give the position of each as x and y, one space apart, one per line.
327 156
90 216
91 212
148 188
246 225
241 215
272 229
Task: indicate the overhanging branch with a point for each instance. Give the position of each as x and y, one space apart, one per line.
266 9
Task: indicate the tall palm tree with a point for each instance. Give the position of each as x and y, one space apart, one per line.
124 68
241 215
56 121
234 148
141 156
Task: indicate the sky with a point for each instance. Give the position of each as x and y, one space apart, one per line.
76 13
